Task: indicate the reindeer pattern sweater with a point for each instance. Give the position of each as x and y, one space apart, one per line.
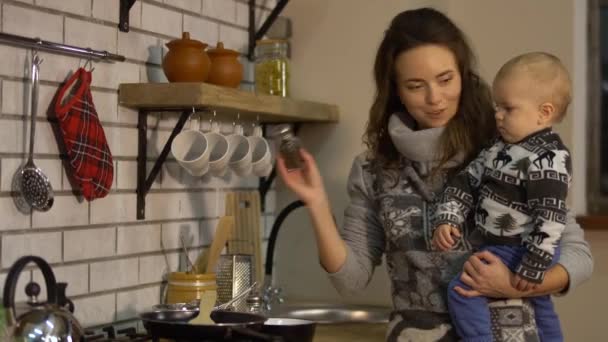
518 194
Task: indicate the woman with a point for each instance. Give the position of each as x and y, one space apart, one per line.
431 115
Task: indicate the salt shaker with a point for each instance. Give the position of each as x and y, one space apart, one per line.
289 146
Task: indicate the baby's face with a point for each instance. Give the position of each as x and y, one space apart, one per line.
517 108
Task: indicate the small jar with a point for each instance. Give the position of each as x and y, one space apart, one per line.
272 67
289 146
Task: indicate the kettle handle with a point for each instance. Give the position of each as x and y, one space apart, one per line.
13 275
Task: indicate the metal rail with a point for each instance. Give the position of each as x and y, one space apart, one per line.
37 43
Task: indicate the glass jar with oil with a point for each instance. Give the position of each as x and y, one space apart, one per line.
272 67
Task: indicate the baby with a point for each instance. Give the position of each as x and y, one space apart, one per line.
517 190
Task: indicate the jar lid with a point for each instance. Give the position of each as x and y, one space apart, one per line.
186 42
219 50
271 41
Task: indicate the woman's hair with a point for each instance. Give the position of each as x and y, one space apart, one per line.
470 129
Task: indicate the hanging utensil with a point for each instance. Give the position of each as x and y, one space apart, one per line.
35 186
192 266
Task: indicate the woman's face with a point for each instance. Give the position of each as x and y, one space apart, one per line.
429 84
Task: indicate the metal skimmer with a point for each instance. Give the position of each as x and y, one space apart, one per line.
35 186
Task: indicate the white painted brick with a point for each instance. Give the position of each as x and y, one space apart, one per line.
27 1
77 277
8 168
12 218
109 75
12 133
109 275
110 11
114 208
171 234
271 201
107 10
234 38
18 20
131 303
13 61
72 6
267 222
45 139
242 14
122 141
127 115
181 205
106 105
90 35
188 5
13 100
220 9
153 269
161 20
138 239
139 46
127 175
156 141
95 310
152 74
66 211
45 245
89 243
202 29
58 68
24 278
175 177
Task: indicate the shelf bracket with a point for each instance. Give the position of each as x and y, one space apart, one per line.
145 183
255 36
125 7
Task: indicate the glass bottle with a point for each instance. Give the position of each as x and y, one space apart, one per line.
289 146
272 67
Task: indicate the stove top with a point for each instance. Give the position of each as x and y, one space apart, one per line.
110 334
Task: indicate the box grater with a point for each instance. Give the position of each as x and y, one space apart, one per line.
235 274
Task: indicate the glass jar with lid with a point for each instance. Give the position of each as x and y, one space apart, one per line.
272 67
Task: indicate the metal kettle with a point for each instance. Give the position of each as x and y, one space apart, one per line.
49 321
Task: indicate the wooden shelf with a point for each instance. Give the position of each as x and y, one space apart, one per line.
227 102
182 97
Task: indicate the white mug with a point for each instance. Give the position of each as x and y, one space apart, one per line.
261 157
240 154
190 149
219 148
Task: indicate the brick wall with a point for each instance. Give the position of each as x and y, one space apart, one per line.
113 263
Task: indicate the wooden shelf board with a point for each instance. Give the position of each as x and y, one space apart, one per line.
227 102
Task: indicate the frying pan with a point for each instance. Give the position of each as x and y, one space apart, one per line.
231 326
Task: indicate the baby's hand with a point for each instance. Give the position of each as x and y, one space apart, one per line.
443 239
522 284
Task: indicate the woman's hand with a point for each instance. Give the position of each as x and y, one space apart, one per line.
306 182
488 276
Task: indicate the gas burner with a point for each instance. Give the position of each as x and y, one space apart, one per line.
110 334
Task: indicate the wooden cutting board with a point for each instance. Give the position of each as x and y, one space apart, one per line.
246 237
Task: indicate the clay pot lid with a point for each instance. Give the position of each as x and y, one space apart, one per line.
220 51
186 42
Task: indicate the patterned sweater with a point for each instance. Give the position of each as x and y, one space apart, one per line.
518 194
388 216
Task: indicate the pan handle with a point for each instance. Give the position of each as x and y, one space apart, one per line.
254 334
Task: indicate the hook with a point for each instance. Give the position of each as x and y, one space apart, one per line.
89 62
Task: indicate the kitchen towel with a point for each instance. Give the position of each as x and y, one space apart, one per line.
86 146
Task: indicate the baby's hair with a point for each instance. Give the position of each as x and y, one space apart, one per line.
548 71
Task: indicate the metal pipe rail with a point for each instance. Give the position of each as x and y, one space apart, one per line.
37 43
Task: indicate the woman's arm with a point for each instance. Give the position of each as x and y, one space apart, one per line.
308 186
348 256
488 276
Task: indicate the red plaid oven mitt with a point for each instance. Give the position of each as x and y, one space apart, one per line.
85 142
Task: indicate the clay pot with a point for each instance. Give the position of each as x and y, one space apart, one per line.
226 70
186 60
